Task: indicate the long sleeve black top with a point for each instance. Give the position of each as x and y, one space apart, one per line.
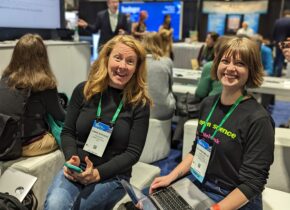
126 142
243 149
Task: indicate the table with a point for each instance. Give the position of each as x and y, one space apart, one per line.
186 76
70 61
273 85
184 52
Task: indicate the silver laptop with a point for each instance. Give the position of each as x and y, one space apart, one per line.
183 194
16 183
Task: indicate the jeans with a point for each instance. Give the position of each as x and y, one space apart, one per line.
217 194
64 194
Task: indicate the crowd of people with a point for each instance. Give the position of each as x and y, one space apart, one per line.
107 119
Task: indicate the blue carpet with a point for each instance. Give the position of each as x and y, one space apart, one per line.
280 114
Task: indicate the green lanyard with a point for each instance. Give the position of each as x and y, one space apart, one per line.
233 107
115 115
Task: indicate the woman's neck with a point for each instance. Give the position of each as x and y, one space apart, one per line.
229 97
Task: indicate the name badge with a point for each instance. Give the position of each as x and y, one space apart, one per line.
200 160
98 138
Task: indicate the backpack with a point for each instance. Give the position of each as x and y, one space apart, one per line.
9 202
12 108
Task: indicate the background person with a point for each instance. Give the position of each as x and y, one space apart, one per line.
206 52
166 31
245 30
280 33
109 22
139 29
117 82
29 70
238 131
160 79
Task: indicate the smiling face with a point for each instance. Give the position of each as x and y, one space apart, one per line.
232 72
121 65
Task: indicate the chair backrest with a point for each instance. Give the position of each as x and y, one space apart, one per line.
157 145
279 178
190 127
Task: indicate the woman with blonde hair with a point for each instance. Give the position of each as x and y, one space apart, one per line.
105 129
166 32
160 78
29 71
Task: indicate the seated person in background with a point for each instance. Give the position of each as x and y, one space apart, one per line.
286 52
206 52
160 79
139 29
234 145
245 30
115 102
266 53
29 71
166 32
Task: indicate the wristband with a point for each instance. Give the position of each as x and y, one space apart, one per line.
215 207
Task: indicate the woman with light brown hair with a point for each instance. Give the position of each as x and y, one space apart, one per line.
105 129
166 32
29 71
160 79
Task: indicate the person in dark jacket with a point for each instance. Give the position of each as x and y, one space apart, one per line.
109 22
29 70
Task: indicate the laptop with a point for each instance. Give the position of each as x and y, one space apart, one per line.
16 183
183 194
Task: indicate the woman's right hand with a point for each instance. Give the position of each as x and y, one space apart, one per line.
69 174
162 181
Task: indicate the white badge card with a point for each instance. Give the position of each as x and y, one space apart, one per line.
98 138
200 160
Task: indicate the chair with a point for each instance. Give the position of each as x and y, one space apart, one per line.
190 127
277 192
44 167
158 141
142 176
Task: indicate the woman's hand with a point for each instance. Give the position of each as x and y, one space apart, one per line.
90 175
69 174
158 182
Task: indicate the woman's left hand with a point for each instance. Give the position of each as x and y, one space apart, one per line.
90 175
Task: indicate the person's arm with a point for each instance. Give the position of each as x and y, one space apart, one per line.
204 83
180 170
131 155
254 171
69 133
53 107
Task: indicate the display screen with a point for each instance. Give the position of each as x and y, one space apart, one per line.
156 12
41 14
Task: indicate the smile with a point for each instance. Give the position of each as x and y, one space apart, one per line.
230 76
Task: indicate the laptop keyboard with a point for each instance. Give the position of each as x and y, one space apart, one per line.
169 199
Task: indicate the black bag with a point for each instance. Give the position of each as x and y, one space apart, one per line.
188 106
12 109
9 202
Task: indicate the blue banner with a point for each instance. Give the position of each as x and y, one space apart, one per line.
216 23
253 21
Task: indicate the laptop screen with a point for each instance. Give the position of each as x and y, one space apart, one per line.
137 196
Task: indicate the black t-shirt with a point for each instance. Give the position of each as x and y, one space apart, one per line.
242 149
128 137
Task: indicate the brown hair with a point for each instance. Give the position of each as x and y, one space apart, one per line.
152 44
135 91
29 66
249 53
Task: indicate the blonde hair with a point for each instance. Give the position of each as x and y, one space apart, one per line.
29 66
152 44
166 41
135 91
249 53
